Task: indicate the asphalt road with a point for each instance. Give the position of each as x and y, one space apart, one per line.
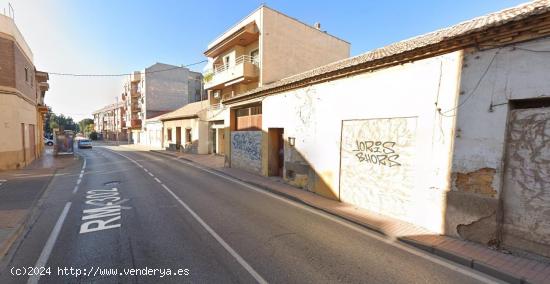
139 216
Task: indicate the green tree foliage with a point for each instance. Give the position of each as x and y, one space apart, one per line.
86 126
93 135
62 122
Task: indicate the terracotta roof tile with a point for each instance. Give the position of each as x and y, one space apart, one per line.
464 28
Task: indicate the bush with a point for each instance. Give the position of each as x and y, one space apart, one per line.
93 135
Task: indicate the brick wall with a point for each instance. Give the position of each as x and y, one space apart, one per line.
27 87
7 67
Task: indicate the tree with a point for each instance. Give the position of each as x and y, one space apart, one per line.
62 122
86 126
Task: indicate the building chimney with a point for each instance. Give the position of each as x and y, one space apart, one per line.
317 25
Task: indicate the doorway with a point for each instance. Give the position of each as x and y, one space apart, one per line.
276 153
178 137
527 177
23 142
32 142
214 141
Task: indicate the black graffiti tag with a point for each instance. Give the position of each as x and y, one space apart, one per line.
377 152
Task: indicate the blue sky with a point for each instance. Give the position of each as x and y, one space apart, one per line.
77 36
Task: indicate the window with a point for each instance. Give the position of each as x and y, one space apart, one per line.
226 61
255 56
26 74
169 134
188 136
248 118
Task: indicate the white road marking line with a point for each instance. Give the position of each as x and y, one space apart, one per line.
47 250
158 180
432 258
150 174
217 237
146 170
80 176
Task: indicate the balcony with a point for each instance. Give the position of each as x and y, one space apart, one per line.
246 69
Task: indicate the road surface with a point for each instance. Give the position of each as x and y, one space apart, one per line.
123 216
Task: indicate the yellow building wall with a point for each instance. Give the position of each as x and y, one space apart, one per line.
13 112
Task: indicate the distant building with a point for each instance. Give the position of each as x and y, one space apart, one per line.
156 90
262 48
109 122
22 91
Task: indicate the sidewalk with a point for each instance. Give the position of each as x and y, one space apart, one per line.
507 267
20 191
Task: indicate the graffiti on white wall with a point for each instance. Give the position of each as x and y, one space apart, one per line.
377 164
246 149
381 153
527 179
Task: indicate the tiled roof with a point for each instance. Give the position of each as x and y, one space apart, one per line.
187 111
439 36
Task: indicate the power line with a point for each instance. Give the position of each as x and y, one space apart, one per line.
124 74
473 91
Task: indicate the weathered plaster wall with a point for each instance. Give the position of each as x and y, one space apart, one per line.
314 116
246 150
490 80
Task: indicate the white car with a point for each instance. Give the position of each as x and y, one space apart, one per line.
48 141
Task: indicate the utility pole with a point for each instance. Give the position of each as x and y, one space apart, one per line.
116 119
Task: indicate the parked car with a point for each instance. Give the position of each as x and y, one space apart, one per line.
48 141
84 143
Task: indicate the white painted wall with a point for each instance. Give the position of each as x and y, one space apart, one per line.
314 115
513 74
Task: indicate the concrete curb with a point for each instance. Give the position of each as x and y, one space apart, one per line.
451 256
27 221
466 261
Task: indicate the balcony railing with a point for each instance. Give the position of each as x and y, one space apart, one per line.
219 68
244 66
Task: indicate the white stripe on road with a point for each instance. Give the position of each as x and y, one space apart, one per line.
80 176
217 237
150 174
432 258
47 250
158 180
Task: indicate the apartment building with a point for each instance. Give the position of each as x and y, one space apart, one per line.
109 122
262 48
158 89
22 92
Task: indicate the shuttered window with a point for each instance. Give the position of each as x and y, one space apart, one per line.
248 118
